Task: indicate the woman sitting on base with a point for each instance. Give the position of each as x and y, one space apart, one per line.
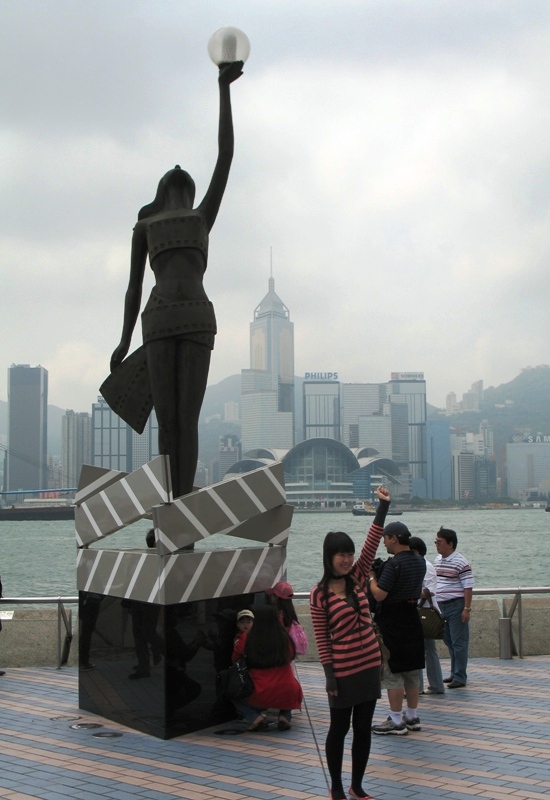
269 651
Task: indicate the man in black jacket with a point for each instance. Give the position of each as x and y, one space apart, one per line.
397 592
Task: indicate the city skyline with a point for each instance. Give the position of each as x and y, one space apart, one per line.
381 151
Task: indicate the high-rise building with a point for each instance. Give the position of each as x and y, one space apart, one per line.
229 453
471 400
375 431
528 465
76 434
359 400
27 462
463 475
398 412
439 459
486 431
231 412
321 406
267 388
473 466
412 387
451 405
115 445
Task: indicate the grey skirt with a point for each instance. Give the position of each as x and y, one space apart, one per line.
357 688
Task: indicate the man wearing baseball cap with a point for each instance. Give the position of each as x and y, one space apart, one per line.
397 592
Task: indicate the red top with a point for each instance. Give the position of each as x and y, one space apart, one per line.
274 687
345 636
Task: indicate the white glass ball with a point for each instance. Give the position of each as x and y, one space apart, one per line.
227 45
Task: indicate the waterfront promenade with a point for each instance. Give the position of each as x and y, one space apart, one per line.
489 740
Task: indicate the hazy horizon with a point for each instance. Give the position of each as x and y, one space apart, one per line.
391 165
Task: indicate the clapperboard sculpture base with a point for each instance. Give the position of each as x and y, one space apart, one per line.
155 626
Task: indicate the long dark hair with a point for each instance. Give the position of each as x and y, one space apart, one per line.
335 542
286 607
267 643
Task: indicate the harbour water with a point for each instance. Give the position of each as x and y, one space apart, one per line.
505 547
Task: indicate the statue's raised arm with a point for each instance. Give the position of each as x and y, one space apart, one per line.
170 370
211 202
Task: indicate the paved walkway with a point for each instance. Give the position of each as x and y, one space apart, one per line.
490 740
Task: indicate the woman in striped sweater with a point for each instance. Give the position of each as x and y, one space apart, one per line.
348 649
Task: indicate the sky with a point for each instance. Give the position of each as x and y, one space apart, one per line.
392 168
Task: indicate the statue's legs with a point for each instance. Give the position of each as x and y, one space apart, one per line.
178 371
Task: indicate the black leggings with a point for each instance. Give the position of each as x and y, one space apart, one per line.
360 747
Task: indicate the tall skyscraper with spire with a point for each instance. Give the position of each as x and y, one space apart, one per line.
267 388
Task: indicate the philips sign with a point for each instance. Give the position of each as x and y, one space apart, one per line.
321 376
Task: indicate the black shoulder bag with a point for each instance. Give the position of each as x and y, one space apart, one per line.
235 682
431 620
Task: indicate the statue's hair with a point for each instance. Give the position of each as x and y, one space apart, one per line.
178 175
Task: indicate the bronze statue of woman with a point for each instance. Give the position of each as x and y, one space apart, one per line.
170 370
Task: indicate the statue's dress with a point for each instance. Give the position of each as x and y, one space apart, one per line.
127 390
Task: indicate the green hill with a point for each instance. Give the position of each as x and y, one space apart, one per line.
520 406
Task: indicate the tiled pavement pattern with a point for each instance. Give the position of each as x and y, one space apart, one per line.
490 740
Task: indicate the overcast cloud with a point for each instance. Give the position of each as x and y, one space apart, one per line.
393 154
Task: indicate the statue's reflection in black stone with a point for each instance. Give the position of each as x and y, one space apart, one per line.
89 612
188 645
170 370
148 644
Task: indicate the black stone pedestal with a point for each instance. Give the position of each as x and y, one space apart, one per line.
153 668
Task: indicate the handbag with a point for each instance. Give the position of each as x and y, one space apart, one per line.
431 620
235 682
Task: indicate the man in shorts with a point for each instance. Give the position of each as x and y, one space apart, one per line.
396 592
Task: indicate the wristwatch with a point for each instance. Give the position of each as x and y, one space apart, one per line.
467 609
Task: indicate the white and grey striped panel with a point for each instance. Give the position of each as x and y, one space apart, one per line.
181 577
128 499
224 508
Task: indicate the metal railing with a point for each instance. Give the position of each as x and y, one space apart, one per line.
62 618
516 603
516 591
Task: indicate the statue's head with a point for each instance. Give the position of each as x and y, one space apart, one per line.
180 181
176 188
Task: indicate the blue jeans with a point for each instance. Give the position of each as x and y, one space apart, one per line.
251 713
433 668
456 636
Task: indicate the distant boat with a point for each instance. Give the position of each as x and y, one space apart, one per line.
370 511
547 507
361 511
29 513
